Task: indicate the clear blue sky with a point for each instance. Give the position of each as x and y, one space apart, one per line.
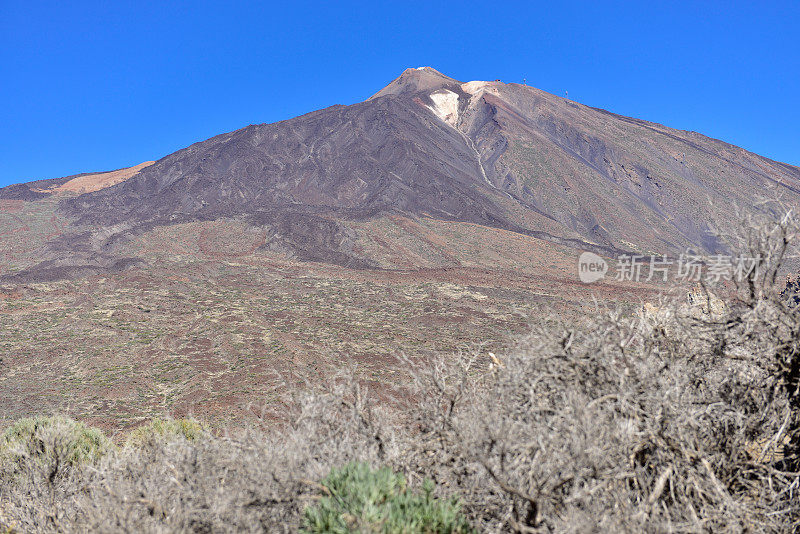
89 86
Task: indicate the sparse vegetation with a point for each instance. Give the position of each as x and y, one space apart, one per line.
676 418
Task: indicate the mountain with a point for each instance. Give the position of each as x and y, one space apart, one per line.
435 217
504 156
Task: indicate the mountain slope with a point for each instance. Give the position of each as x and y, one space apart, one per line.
504 156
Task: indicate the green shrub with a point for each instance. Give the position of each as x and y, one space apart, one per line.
359 499
165 430
41 437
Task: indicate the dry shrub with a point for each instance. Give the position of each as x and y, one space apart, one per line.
685 419
174 482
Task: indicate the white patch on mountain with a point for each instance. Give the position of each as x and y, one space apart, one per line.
475 87
445 106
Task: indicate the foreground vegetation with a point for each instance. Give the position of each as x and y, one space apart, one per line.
680 418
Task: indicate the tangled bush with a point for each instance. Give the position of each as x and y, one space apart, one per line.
686 419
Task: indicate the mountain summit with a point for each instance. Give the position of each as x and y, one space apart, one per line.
499 155
416 80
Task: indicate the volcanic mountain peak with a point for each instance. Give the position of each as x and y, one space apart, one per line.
415 80
430 81
501 156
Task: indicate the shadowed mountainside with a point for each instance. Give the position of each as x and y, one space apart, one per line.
504 156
